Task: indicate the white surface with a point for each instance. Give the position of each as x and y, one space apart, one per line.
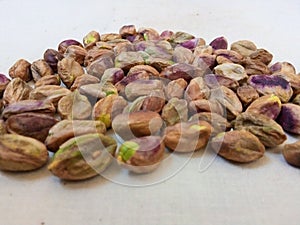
263 192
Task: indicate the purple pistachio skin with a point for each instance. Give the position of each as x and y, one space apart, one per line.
52 57
289 118
219 43
62 47
190 44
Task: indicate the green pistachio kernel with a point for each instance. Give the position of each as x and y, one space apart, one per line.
127 150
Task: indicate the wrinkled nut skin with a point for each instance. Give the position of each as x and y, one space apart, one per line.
214 81
107 108
181 70
97 67
83 157
197 89
268 105
20 153
96 53
289 118
204 105
40 68
84 79
26 106
282 68
243 47
232 70
175 111
261 55
74 106
16 90
291 153
48 80
126 60
153 102
187 136
254 67
227 56
219 43
21 69
66 129
35 125
137 124
77 53
175 88
90 39
247 94
62 47
238 146
139 68
51 56
141 155
112 75
272 84
264 128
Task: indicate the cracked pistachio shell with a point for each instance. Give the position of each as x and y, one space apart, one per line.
187 136
175 88
35 125
272 84
289 118
232 71
74 106
21 69
238 146
197 89
66 129
20 153
175 111
243 47
247 94
107 108
264 128
83 157
291 153
268 105
16 90
40 68
137 124
141 155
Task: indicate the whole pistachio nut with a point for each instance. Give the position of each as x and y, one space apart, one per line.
143 68
141 155
123 47
272 84
107 108
175 88
175 111
227 56
16 90
98 90
35 125
238 146
20 153
112 75
218 122
182 55
232 70
166 35
289 118
62 47
74 106
158 63
148 34
205 62
180 37
137 124
48 80
261 55
84 79
97 67
197 89
68 70
21 69
160 49
66 129
203 49
264 128
83 157
243 47
127 30
40 68
268 105
4 80
77 53
255 67
51 56
282 68
204 105
126 60
187 136
154 102
215 81
26 106
2 127
96 53
247 94
291 153
50 93
219 43
91 38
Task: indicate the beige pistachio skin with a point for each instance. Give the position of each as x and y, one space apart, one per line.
291 153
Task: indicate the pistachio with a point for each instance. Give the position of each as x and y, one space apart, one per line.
243 47
66 129
15 91
141 155
83 157
77 53
112 75
84 79
137 124
181 70
175 88
219 43
254 67
197 89
35 125
227 56
109 36
282 68
3 83
91 38
289 118
187 136
204 105
215 81
154 102
149 34
247 94
180 37
291 153
97 53
21 69
268 105
40 68
19 153
261 55
97 67
126 60
266 129
48 80
139 68
203 49
127 30
128 79
74 106
52 57
182 55
98 90
66 43
175 111
232 71
205 62
238 146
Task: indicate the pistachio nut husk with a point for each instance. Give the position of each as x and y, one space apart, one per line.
175 88
26 106
21 69
289 118
247 94
175 111
266 129
107 108
83 157
218 122
268 105
243 47
16 90
137 124
197 89
48 80
233 71
272 84
20 153
74 106
291 153
238 146
187 136
35 125
66 129
141 155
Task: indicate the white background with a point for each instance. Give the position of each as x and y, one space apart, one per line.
263 192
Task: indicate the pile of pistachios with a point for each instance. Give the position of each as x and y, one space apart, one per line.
134 95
